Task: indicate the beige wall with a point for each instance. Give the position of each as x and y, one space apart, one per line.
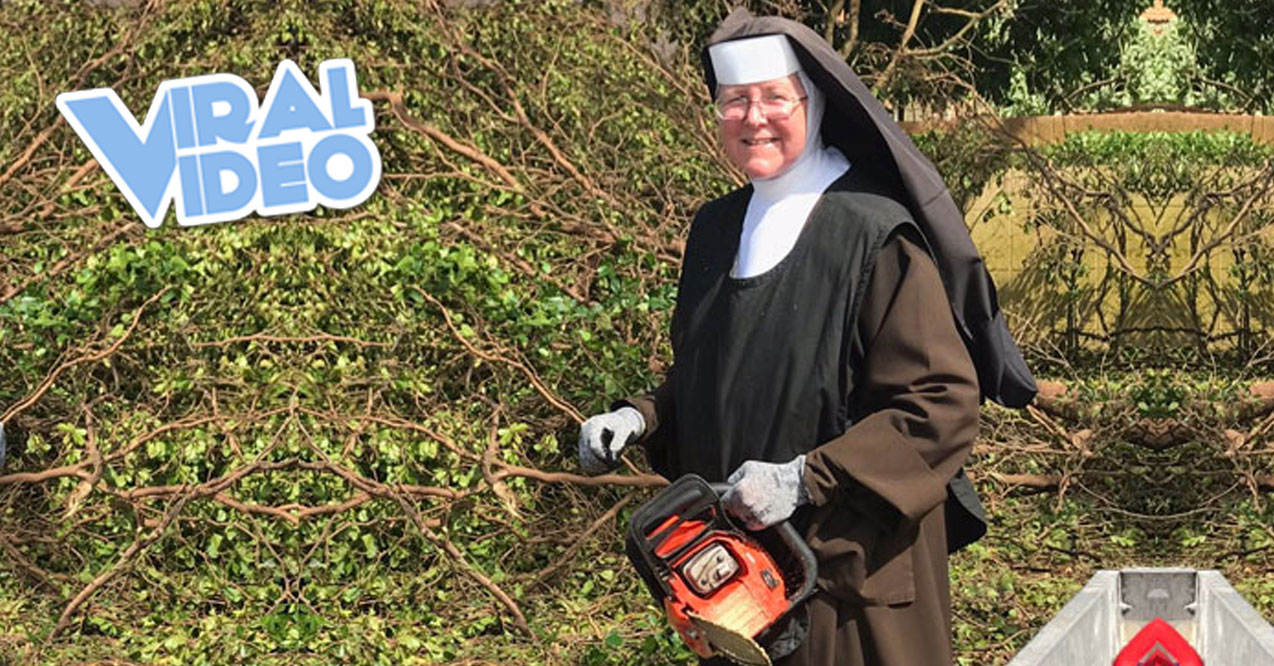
1036 130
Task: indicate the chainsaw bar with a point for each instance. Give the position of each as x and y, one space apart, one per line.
731 644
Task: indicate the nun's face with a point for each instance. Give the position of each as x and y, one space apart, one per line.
764 147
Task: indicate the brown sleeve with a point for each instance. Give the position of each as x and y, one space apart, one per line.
916 391
655 408
657 411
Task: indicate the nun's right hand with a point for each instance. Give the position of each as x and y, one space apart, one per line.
603 437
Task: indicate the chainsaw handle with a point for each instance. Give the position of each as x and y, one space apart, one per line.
797 545
809 563
688 495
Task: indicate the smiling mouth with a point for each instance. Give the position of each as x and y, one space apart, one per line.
759 142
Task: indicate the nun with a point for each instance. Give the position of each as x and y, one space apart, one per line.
834 335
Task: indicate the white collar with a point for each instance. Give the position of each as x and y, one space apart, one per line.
811 174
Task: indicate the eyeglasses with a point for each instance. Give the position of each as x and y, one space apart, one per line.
773 107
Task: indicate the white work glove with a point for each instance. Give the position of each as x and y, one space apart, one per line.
764 494
603 437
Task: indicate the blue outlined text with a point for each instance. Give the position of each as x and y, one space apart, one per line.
208 146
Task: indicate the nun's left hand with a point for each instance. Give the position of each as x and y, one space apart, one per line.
764 494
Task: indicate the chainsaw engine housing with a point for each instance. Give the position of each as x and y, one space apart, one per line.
721 588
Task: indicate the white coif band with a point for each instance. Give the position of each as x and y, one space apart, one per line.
753 59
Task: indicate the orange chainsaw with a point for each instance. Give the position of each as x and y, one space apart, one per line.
725 590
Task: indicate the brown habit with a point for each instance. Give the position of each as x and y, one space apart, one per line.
895 407
877 524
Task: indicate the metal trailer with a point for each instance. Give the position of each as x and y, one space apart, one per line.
1201 605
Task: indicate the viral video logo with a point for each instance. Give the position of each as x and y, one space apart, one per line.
206 144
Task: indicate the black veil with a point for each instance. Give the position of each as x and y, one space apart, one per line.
857 124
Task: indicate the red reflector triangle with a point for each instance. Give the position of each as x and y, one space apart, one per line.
1158 644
